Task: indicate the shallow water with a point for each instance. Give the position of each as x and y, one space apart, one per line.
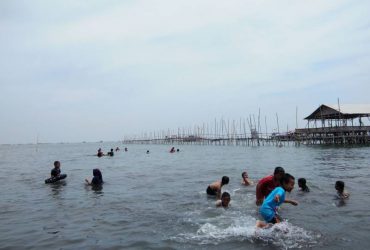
158 200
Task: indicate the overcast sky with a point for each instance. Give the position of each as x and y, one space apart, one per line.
75 70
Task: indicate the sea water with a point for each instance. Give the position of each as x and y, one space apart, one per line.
158 200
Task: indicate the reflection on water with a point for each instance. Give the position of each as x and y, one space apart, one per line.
57 187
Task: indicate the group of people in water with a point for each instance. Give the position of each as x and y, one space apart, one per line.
270 193
55 174
109 153
270 190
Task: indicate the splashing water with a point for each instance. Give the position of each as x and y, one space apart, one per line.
283 235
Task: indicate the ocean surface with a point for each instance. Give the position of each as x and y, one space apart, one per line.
158 200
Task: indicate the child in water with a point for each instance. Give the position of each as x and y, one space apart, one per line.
215 187
302 185
111 153
341 192
225 200
55 172
97 180
275 199
245 180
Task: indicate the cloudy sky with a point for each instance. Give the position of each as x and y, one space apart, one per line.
99 70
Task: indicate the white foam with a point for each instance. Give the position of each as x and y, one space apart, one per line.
225 229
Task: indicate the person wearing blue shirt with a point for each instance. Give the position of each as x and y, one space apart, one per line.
275 199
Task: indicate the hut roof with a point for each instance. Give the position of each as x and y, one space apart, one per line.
345 111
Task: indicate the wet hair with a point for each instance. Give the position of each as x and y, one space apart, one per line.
302 181
279 170
97 174
225 195
111 149
340 185
286 178
56 162
225 180
243 174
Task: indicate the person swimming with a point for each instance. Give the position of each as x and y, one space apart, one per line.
111 153
245 180
126 149
275 199
302 185
117 149
341 192
172 150
100 153
214 189
225 200
55 172
97 180
147 152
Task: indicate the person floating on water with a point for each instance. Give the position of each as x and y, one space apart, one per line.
275 199
215 188
55 172
267 184
341 192
97 180
302 185
172 150
100 153
111 153
225 200
245 180
117 149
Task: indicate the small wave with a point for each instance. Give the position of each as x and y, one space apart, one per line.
283 235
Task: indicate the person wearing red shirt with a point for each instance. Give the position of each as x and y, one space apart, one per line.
267 184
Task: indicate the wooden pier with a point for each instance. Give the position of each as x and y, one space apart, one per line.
327 125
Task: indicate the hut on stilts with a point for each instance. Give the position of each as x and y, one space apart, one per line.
336 124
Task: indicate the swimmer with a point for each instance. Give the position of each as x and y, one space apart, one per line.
341 192
147 152
111 153
215 188
126 149
117 149
55 172
302 185
267 184
172 150
177 150
275 199
100 153
246 181
225 200
97 179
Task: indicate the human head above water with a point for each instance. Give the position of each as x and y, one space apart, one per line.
301 182
279 173
287 182
225 198
97 173
225 180
339 186
57 164
245 174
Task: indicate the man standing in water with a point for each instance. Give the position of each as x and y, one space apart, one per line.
267 184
